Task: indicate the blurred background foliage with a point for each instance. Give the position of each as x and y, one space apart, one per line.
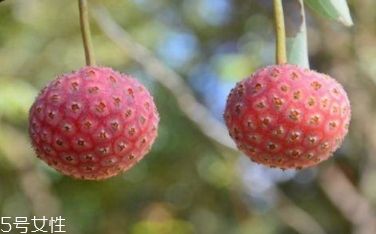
189 183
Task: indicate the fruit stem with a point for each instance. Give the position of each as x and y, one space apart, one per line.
85 30
281 57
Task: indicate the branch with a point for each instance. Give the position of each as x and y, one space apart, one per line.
296 217
353 206
196 112
168 78
356 203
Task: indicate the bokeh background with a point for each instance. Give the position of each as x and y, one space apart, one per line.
189 53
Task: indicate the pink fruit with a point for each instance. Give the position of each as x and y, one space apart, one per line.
93 123
288 117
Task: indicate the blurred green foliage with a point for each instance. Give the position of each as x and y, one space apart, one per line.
187 184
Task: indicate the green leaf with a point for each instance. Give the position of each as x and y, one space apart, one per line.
332 9
297 52
296 42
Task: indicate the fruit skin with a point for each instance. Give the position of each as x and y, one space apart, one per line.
288 117
93 123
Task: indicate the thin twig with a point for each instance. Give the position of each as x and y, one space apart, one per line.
280 32
85 30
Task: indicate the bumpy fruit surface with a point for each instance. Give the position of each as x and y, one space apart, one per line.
288 117
93 123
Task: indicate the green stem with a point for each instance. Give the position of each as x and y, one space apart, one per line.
85 30
280 32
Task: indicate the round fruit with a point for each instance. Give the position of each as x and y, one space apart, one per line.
288 117
93 123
